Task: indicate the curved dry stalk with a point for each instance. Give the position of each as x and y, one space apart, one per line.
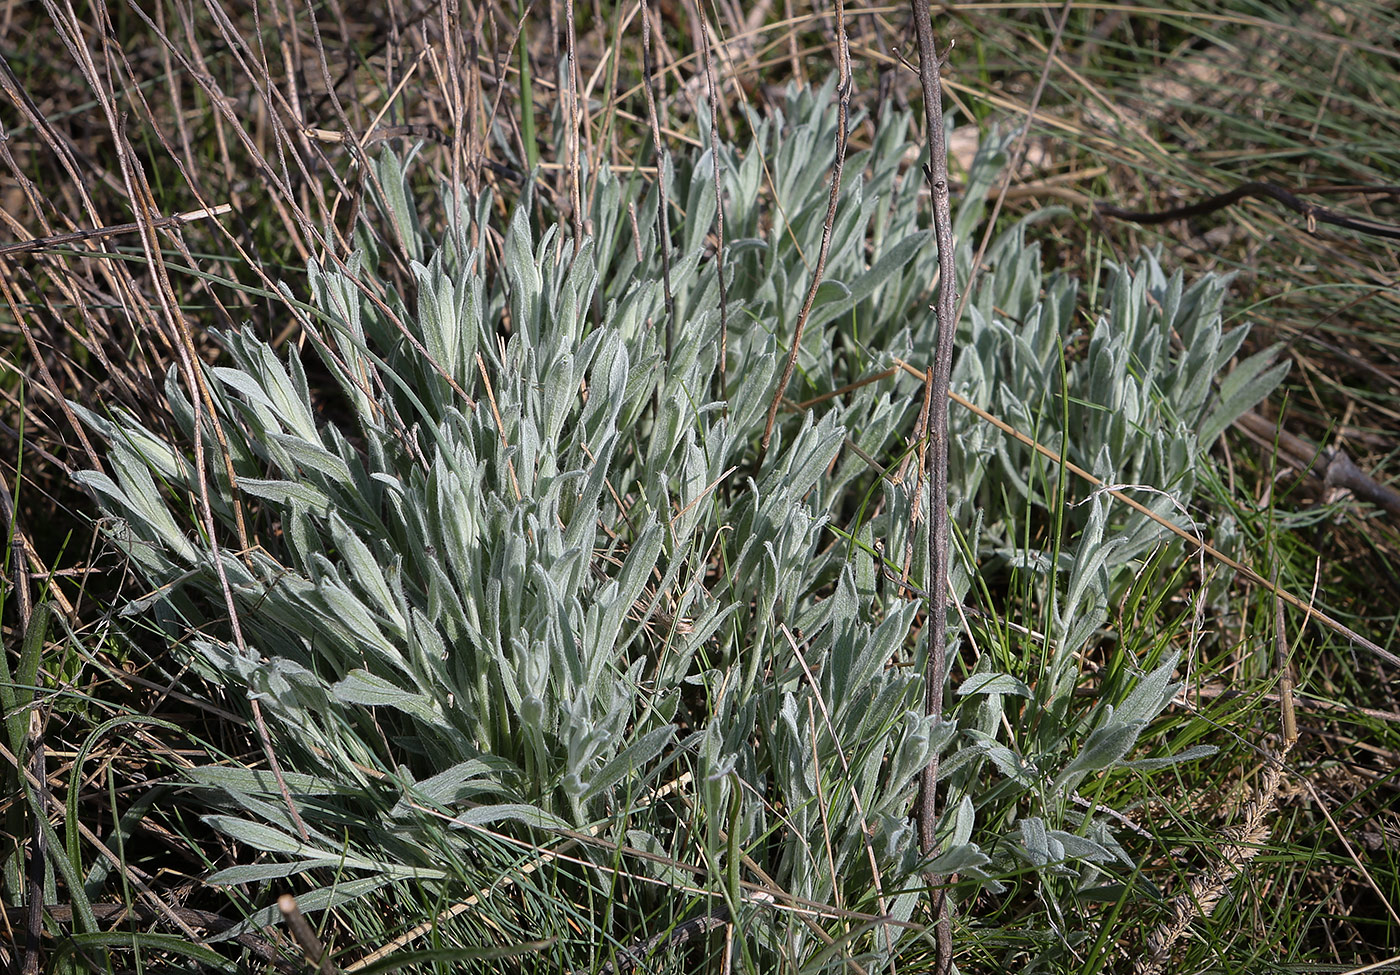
719 208
663 221
843 90
570 91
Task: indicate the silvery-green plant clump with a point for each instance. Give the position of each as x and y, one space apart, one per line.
520 571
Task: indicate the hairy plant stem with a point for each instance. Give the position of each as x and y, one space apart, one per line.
937 457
